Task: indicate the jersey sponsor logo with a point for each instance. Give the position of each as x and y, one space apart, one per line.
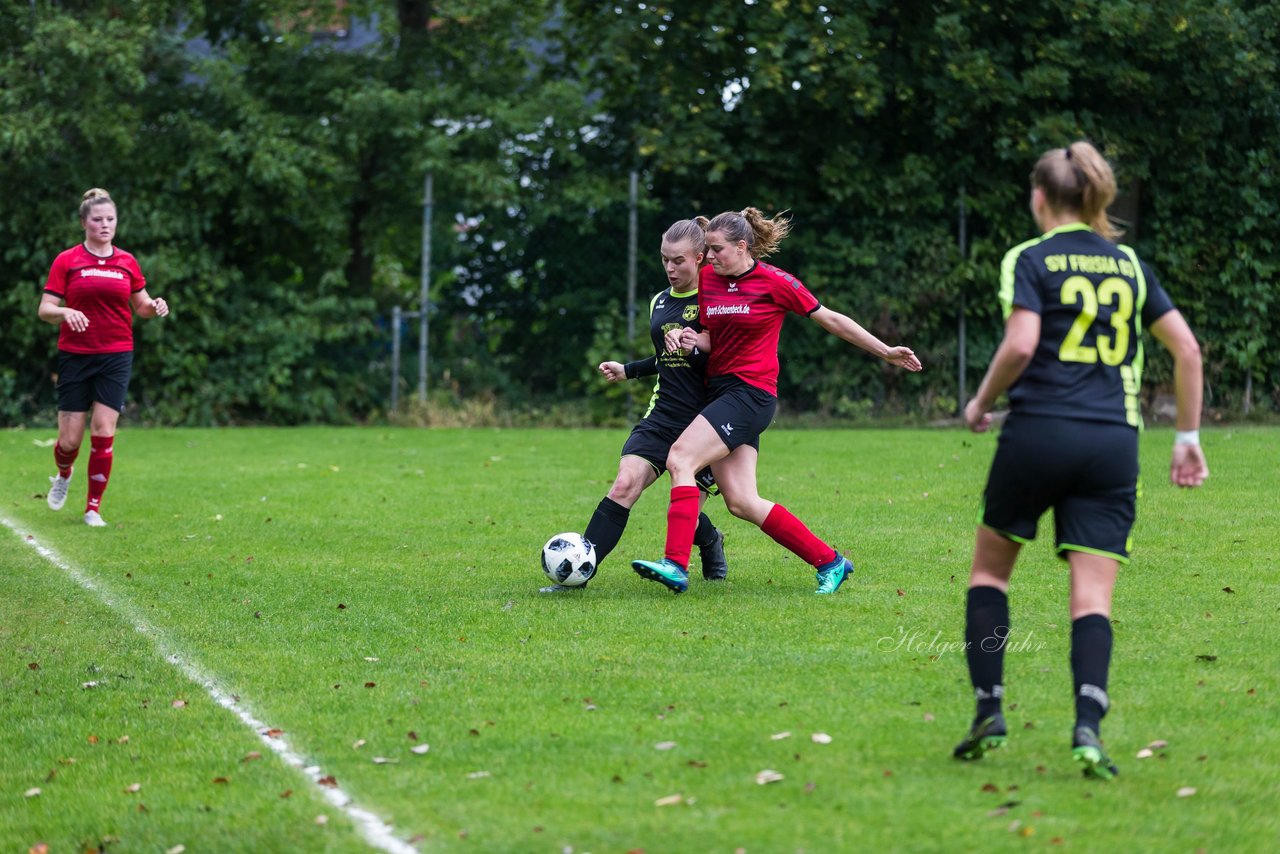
728 309
662 304
733 287
90 272
690 312
727 429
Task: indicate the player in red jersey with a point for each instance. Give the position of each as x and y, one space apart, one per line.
742 304
92 293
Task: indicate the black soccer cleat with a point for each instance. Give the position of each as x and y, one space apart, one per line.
1086 749
714 565
984 736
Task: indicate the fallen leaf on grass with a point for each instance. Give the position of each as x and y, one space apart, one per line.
179 704
358 743
133 787
250 756
664 745
39 848
124 739
669 801
1145 753
370 658
33 792
221 781
322 819
93 739
1186 791
328 780
35 665
420 749
1227 590
820 738
779 736
87 686
1158 744
382 760
177 849
767 776
1206 658
286 793
274 733
990 787
477 775
371 684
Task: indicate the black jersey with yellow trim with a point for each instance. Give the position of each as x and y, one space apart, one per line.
1093 297
680 390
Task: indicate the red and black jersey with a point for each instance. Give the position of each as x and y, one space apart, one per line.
744 315
100 288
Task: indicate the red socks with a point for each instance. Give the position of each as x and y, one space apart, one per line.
682 522
64 459
99 469
790 533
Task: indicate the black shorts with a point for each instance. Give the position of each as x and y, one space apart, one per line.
1086 471
86 378
652 442
739 412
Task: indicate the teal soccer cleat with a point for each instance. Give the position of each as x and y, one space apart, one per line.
832 575
666 572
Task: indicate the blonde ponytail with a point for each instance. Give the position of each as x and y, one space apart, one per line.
1078 179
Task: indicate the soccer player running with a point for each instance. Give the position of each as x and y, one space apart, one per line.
1075 304
678 396
92 293
742 304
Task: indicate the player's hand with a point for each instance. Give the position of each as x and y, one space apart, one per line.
160 307
75 319
613 371
977 417
1188 467
903 357
671 340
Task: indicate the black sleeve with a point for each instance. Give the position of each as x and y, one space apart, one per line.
642 368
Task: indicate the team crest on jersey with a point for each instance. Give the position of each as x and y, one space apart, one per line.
690 312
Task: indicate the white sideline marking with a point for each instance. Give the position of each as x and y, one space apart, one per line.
374 830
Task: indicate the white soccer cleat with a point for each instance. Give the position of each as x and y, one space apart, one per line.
58 486
93 520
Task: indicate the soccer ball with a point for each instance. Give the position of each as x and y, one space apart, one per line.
568 559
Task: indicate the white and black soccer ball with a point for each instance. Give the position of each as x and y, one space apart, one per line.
569 559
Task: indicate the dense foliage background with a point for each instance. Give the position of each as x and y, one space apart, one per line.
268 159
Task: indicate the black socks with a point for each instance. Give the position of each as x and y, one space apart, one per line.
606 527
1090 661
986 632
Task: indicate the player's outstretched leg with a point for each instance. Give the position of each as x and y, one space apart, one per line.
1086 749
666 572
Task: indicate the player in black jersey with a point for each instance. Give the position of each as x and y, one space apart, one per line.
1075 304
678 396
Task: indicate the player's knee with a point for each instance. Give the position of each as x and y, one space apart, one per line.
626 488
740 507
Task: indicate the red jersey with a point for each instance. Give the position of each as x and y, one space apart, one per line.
744 316
100 288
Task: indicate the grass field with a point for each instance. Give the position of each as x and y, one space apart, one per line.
366 591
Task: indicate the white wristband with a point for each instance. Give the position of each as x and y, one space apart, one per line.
1186 437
